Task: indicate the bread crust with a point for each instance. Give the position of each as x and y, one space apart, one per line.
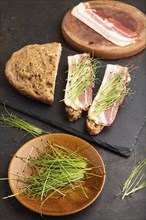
93 128
73 114
32 70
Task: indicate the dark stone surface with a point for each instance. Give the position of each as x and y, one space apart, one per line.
28 22
120 137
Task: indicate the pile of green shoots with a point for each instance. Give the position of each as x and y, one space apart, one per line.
57 171
15 122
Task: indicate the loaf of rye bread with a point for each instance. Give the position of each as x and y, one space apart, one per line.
32 70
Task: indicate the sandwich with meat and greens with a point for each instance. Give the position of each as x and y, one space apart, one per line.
109 97
80 82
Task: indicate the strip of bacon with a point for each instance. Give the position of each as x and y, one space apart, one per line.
107 117
79 78
109 28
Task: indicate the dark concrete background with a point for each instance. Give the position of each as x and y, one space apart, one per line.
17 19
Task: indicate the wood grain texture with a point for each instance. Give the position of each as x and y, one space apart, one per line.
74 201
83 39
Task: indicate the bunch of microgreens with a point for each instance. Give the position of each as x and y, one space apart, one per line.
136 181
16 122
82 77
56 172
114 91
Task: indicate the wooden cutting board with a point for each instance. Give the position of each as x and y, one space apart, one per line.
83 39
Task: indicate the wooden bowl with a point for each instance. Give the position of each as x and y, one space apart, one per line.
73 202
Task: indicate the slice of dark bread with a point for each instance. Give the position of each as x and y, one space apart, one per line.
32 70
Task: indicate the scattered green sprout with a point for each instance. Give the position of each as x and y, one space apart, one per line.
135 181
56 172
13 121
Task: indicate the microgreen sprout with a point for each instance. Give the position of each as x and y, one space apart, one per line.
16 122
135 181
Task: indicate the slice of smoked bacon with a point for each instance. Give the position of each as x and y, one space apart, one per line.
109 28
80 82
107 117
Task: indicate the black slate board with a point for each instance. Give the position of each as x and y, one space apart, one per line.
120 137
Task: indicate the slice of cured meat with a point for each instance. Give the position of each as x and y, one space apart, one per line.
109 97
108 27
128 21
80 81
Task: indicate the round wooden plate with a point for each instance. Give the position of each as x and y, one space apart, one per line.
83 39
74 201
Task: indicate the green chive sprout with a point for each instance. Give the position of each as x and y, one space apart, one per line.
13 121
135 181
